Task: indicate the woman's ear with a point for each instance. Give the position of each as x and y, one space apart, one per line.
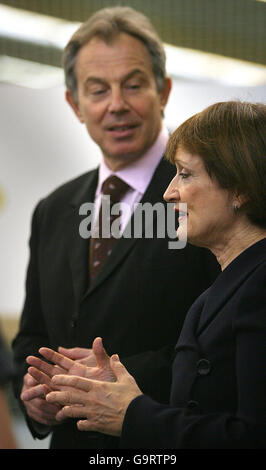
74 105
239 200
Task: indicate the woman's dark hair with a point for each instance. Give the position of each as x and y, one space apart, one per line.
230 137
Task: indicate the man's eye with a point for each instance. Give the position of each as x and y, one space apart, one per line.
133 86
98 92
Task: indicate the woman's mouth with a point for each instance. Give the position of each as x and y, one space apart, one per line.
181 215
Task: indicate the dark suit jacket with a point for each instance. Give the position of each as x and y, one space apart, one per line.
137 304
219 380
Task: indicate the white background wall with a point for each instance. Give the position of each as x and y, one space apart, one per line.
43 145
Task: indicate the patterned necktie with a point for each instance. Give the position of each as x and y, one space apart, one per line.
101 245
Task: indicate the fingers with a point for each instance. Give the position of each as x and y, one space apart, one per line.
42 412
95 425
66 398
33 397
32 389
34 392
43 380
101 355
74 353
42 372
118 368
29 381
80 383
40 377
56 358
73 411
82 355
85 425
43 366
77 395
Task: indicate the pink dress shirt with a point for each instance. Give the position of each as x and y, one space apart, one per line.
137 175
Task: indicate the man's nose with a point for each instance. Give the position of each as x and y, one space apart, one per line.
172 194
117 102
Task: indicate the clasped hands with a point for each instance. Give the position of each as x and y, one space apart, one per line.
79 383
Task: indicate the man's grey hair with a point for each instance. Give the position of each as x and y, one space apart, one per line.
107 24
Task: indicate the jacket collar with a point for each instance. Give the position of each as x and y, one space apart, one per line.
230 279
78 247
153 194
78 251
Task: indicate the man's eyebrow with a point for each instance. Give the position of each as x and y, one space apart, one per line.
133 73
102 81
94 80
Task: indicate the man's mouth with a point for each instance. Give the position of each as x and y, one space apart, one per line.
121 128
120 131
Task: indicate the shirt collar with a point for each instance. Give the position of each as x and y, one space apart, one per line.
139 173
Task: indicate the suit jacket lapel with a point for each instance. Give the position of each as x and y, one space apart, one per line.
153 194
230 280
78 247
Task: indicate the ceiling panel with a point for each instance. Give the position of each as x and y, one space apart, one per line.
232 28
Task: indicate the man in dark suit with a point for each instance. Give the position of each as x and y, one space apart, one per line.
137 300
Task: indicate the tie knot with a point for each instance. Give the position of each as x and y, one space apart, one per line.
115 188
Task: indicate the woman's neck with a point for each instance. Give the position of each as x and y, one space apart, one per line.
241 238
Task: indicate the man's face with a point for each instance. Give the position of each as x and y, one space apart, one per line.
118 99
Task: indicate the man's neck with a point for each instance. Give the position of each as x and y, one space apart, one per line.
119 163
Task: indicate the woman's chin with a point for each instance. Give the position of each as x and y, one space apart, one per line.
182 233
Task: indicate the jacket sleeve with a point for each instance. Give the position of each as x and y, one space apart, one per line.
148 424
32 331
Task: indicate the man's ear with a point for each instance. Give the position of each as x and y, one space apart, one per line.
74 105
165 92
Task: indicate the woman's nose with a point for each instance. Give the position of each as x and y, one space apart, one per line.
171 194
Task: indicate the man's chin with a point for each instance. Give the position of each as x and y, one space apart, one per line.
123 157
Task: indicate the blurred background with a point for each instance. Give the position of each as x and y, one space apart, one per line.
215 51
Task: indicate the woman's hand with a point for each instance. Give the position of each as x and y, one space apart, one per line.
102 405
43 371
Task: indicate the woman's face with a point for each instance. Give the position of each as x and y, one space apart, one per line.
209 214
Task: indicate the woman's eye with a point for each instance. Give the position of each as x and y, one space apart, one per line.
183 175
